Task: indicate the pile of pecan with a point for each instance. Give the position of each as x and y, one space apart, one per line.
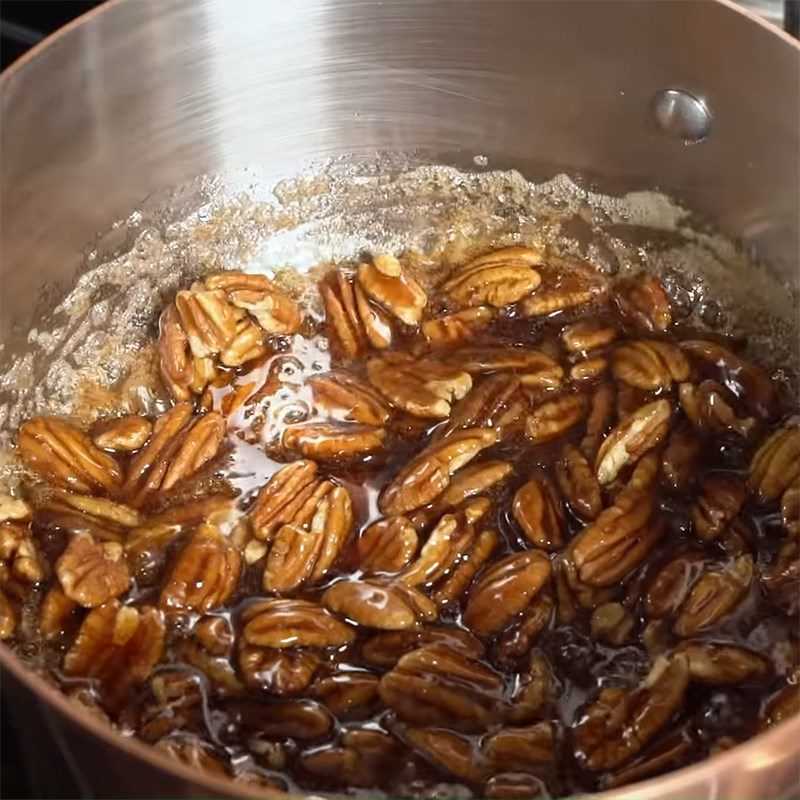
527 535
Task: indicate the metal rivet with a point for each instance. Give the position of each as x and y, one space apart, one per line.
680 115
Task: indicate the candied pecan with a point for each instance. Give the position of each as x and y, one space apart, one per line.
19 555
429 473
680 457
8 617
564 285
438 685
179 446
449 751
122 434
790 509
182 374
457 328
355 323
554 418
518 639
362 760
649 365
505 589
723 664
520 749
708 408
451 589
119 646
598 420
588 369
422 388
618 540
578 483
383 282
632 438
290 496
497 279
333 441
207 318
347 694
713 597
281 624
660 758
13 509
172 701
612 623
583 337
205 573
781 580
287 719
92 572
533 368
621 722
55 613
670 585
217 669
572 593
384 649
385 546
359 402
214 634
720 499
496 402
97 516
193 753
280 672
372 604
450 539
785 705
746 380
65 455
536 688
537 509
775 466
644 302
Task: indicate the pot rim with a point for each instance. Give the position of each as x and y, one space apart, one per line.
763 750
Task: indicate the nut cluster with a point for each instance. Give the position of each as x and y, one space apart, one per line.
520 522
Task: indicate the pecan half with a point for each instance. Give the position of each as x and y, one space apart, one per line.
92 572
448 751
348 695
119 646
287 719
512 785
290 496
386 546
205 573
345 394
77 513
583 337
564 285
781 580
281 624
457 328
554 418
671 584
709 407
713 597
385 649
632 438
55 613
588 369
384 282
496 402
612 623
720 499
660 758
504 590
681 456
179 446
723 664
578 483
451 589
122 434
520 749
516 641
598 420
284 673
65 455
437 685
19 556
790 509
785 705
193 753
497 279
450 539
419 387
775 466
372 604
621 722
618 540
428 474
533 368
644 302
215 635
355 323
649 365
537 509
333 441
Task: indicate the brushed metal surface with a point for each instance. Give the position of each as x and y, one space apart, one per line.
145 95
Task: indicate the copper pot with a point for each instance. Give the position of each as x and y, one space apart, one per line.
138 96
